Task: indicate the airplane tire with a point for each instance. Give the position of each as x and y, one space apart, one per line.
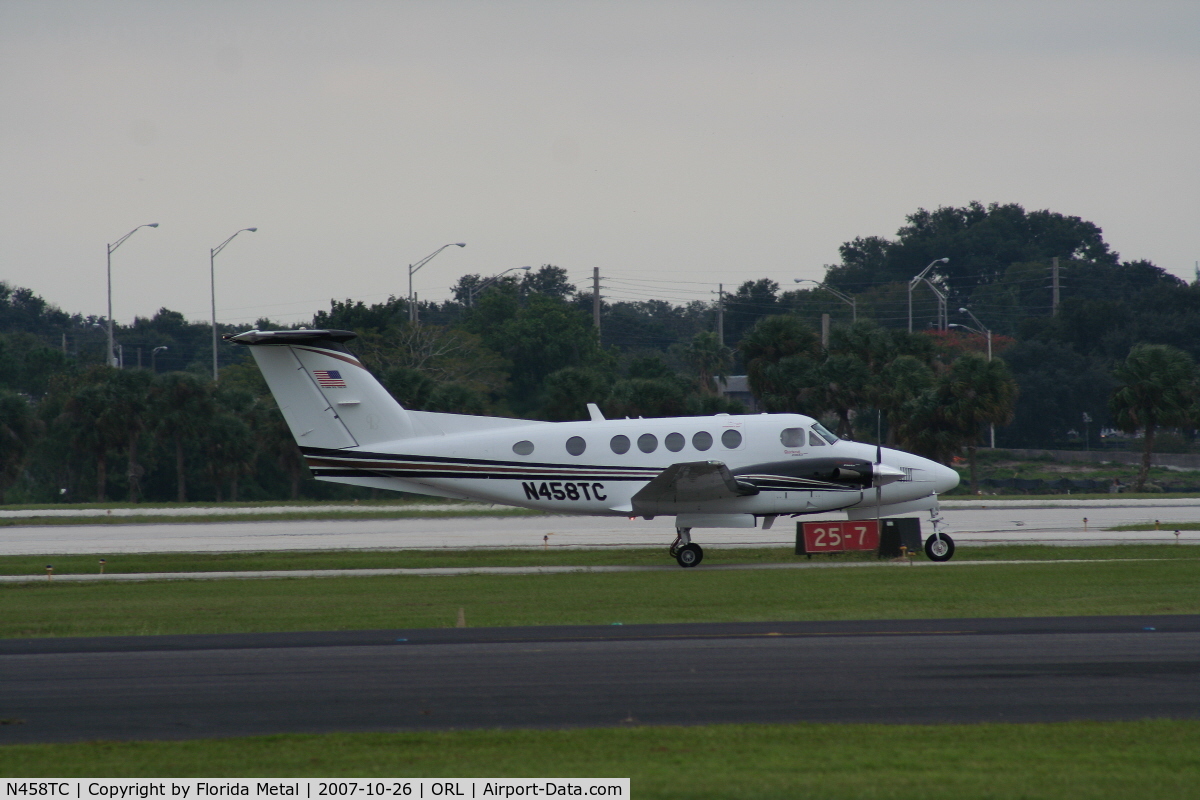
689 555
939 549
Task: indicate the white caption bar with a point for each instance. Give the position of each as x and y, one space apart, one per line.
206 789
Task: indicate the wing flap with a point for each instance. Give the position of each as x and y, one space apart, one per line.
689 482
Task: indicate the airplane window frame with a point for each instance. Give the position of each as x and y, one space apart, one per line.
674 439
519 448
824 433
707 440
612 444
726 435
647 443
581 444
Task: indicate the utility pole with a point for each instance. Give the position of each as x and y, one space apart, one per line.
1054 283
825 331
596 300
721 313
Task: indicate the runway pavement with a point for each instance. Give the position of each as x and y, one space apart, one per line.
905 671
969 522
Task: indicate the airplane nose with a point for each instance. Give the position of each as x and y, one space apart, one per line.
945 479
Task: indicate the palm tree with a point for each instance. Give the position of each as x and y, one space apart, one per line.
772 341
974 393
1156 386
710 359
18 429
899 382
127 414
183 405
94 429
941 420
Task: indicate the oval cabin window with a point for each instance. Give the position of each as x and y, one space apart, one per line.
576 445
523 448
619 444
702 440
674 442
731 439
647 443
792 437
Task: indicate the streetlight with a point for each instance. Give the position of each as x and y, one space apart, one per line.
212 276
153 354
941 297
471 293
843 297
986 332
412 305
112 356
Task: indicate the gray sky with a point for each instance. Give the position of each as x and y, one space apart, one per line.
673 145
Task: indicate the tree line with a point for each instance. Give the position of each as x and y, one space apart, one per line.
525 345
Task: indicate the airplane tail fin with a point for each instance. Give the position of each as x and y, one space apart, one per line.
328 398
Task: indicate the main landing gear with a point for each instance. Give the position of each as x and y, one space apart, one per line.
684 550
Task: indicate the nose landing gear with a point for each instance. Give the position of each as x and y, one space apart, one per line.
684 550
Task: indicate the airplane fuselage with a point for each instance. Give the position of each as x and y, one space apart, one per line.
597 467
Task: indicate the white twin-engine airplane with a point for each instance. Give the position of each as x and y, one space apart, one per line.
708 472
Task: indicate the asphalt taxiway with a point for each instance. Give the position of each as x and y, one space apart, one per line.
896 671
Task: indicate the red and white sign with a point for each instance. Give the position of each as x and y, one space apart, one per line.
838 537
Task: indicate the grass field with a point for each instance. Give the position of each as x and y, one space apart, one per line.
1158 586
126 563
1151 759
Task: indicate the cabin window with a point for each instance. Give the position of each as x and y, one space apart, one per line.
792 437
824 433
674 442
523 448
647 443
619 444
576 445
702 440
731 439
814 440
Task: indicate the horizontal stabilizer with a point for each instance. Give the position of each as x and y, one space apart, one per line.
689 482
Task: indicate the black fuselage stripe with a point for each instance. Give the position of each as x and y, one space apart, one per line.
505 476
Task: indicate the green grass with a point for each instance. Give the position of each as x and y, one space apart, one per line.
127 563
46 608
1081 760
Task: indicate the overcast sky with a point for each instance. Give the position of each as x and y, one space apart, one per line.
673 145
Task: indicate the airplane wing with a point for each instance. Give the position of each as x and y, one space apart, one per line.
688 483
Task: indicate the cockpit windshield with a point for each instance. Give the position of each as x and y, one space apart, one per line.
824 433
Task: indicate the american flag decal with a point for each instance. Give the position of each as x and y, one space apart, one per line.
329 379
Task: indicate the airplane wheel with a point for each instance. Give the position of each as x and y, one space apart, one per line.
689 555
939 549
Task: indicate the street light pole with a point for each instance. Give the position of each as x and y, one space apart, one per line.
154 356
212 276
412 305
917 279
987 332
112 356
472 293
839 295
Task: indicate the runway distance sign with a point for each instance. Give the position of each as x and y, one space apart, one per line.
840 537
